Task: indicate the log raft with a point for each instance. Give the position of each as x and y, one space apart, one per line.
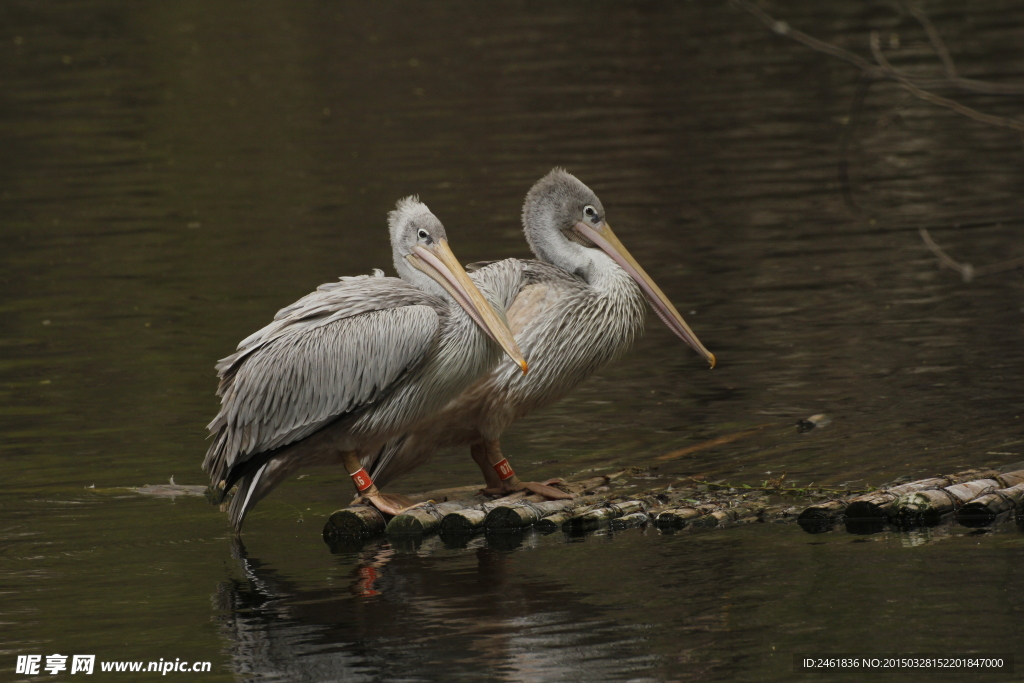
924 501
977 497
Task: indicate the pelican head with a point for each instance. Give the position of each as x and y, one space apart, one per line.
422 257
563 218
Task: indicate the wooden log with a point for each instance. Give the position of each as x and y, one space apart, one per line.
357 521
422 520
630 521
823 513
463 521
1010 479
677 518
878 504
555 522
602 516
930 505
526 514
984 509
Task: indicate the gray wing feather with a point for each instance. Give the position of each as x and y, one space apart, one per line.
328 354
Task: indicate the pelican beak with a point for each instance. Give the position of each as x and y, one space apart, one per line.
606 240
440 263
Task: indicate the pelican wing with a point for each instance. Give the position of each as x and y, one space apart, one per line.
328 354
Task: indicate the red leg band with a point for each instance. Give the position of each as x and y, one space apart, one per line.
503 469
361 479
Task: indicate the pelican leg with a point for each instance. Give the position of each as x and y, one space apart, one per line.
501 480
367 492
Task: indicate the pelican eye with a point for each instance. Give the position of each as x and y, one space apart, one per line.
590 212
424 235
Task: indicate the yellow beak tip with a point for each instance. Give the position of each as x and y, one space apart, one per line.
522 364
713 361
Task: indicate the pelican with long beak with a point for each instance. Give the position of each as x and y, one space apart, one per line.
342 370
577 307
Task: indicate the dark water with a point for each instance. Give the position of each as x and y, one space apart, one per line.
172 173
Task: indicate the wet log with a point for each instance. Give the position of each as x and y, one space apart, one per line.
823 512
677 518
556 521
424 519
1010 479
463 521
984 509
602 516
357 521
526 514
930 505
878 504
630 521
725 515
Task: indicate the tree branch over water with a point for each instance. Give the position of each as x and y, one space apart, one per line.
883 70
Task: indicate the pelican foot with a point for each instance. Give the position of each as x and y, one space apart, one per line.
388 503
541 489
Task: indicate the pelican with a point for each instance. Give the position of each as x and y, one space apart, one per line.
346 367
575 309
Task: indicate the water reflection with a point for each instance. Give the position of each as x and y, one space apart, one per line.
414 615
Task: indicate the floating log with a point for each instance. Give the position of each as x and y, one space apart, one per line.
357 521
823 513
599 517
1010 479
463 521
423 519
526 514
677 518
929 505
724 515
878 504
630 521
984 509
556 521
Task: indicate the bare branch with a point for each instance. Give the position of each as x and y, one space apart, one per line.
966 270
918 87
997 121
935 39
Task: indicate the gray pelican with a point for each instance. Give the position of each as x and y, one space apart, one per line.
576 308
343 369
